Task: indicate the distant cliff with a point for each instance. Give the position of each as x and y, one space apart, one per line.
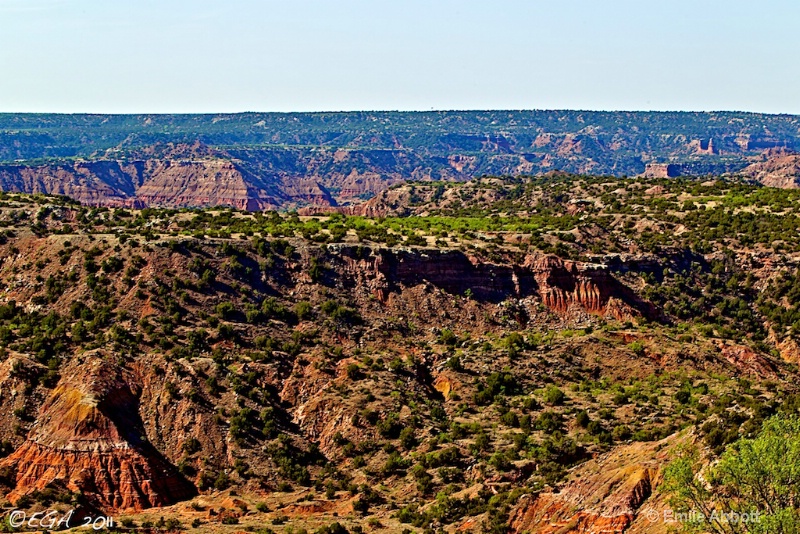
267 160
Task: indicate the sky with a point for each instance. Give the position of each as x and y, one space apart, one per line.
203 56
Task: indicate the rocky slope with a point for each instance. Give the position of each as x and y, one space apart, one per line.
615 493
179 176
89 439
562 286
467 373
779 168
97 183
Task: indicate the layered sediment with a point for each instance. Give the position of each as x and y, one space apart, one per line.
89 439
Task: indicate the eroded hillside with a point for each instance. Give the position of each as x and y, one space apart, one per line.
518 354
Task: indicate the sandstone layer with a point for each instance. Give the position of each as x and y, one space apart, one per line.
605 495
89 439
563 286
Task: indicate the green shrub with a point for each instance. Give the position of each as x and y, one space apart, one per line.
554 396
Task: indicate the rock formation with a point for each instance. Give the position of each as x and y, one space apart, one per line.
211 182
180 176
603 495
89 438
307 190
779 169
561 285
661 170
94 183
566 284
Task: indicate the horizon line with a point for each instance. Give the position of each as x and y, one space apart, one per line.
409 111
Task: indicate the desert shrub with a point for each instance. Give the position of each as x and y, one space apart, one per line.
554 396
582 419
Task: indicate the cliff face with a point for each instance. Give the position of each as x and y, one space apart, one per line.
661 170
178 176
208 182
89 438
563 286
606 495
307 190
94 183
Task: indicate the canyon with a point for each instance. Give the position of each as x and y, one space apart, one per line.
530 369
286 161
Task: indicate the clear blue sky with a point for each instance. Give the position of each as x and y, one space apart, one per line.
300 55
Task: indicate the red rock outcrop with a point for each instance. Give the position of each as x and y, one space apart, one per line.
167 175
747 361
561 285
446 384
94 183
88 438
779 169
604 495
197 183
661 170
790 350
307 190
356 185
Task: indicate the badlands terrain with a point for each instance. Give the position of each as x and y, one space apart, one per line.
258 161
532 354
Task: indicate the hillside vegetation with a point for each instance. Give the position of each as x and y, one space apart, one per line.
498 355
